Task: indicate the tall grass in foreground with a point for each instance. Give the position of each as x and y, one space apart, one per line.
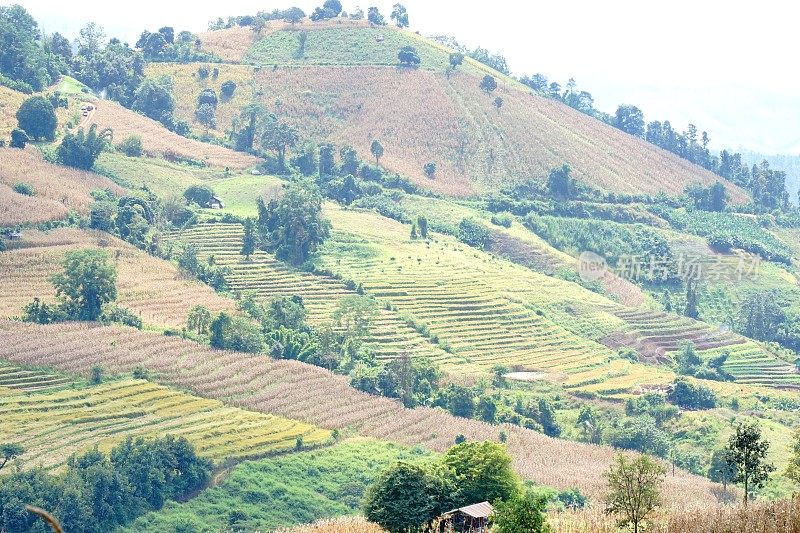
782 516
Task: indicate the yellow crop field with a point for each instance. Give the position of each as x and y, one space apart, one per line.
303 392
160 142
152 288
58 190
10 100
185 78
15 378
54 425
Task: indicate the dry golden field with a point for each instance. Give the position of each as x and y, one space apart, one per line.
154 289
58 189
10 100
337 525
312 394
158 141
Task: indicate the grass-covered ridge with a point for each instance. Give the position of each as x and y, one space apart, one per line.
284 491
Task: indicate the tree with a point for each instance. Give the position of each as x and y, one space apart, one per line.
399 15
793 469
422 225
154 98
376 149
692 298
207 96
481 471
249 240
692 395
206 115
88 282
630 119
560 183
408 57
429 169
199 319
747 454
634 489
81 150
456 59
131 146
473 233
374 17
523 513
19 138
279 135
498 103
227 89
293 227
37 117
719 470
23 61
488 84
405 497
10 451
199 195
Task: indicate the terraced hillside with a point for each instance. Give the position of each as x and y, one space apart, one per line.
54 425
355 93
57 190
269 278
10 100
152 288
299 391
17 378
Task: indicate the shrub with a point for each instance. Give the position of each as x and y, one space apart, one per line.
199 195
121 315
473 233
24 188
502 219
227 88
38 118
692 396
131 146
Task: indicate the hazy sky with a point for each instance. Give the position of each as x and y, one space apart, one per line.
729 67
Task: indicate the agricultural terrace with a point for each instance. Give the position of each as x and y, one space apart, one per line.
10 100
152 288
57 190
189 86
268 278
54 425
313 485
16 378
158 141
317 396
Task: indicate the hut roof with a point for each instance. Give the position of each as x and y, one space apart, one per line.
476 510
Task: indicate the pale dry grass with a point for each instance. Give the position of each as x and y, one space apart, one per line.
58 189
160 142
422 116
354 524
782 516
152 288
312 394
10 100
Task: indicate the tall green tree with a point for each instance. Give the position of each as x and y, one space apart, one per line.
38 118
81 150
293 227
630 119
376 149
523 513
278 136
87 283
405 498
481 471
249 240
634 489
488 84
399 15
747 454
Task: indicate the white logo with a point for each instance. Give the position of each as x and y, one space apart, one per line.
591 266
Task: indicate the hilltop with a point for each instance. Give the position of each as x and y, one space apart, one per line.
340 82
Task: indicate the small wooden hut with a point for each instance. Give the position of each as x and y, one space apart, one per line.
470 519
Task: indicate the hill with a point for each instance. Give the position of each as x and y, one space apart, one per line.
312 394
56 190
344 87
152 288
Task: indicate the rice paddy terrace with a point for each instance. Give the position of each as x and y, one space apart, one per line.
303 392
54 425
484 310
15 378
153 289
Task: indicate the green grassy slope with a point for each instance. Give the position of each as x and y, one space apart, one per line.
284 491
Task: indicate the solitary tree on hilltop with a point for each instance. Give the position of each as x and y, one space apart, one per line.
374 17
377 151
38 118
634 489
747 454
399 15
488 84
